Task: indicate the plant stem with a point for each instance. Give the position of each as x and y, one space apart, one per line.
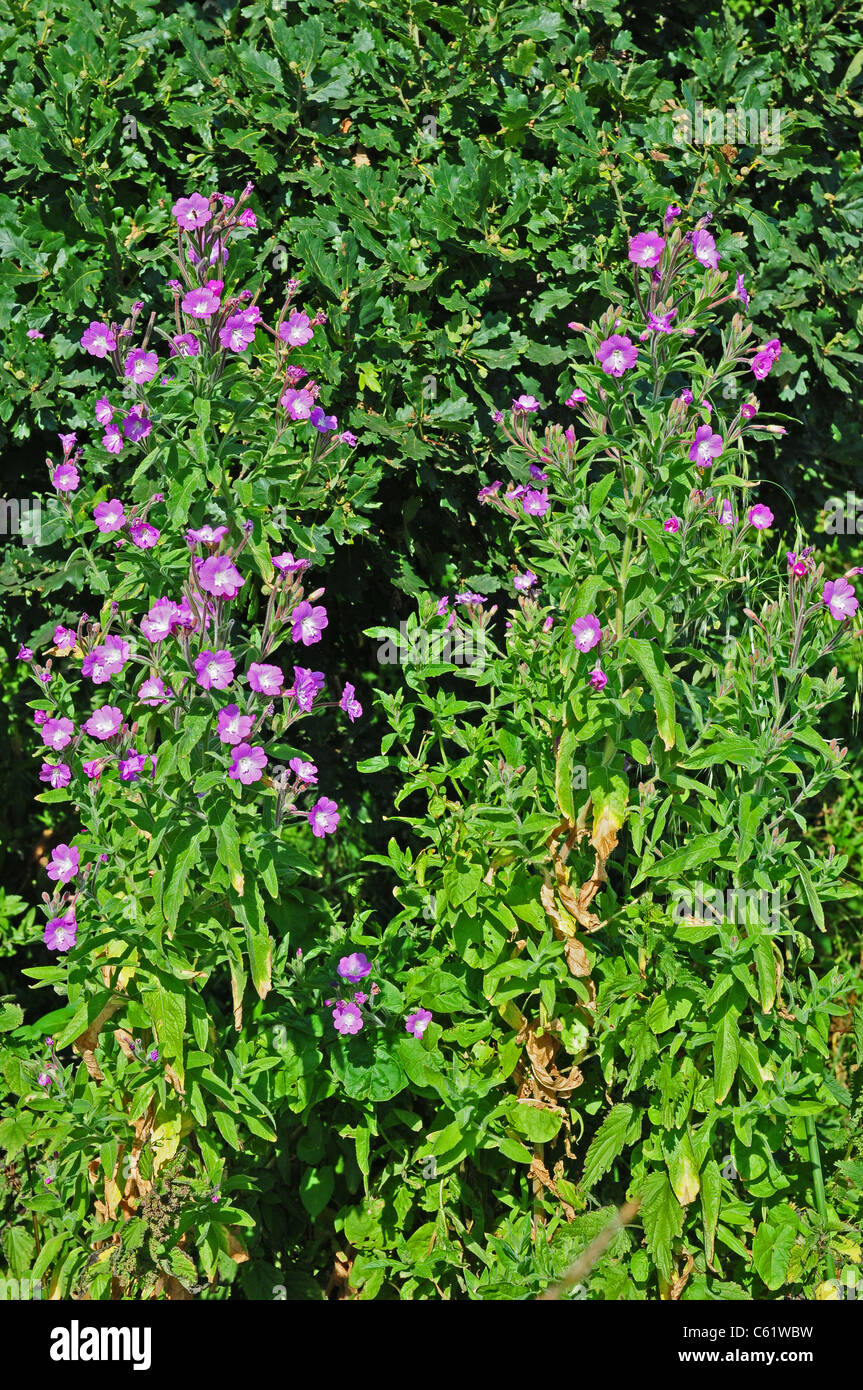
818 1185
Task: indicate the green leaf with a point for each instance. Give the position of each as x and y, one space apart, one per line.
536 1124
662 1218
165 1002
726 1053
316 1189
608 1143
772 1246
651 663
711 1195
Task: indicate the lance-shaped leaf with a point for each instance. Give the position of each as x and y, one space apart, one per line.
651 664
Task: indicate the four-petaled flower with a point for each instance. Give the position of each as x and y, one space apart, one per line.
307 623
418 1022
840 598
586 632
323 817
248 764
616 355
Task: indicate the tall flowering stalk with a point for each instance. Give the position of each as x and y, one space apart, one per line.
612 841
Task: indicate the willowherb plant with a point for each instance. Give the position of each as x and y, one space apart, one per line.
647 722
170 724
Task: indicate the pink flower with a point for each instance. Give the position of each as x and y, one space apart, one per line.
64 640
304 771
264 679
760 517
143 535
192 212
704 249
616 355
237 333
131 767
286 564
184 345
307 623
66 478
136 425
104 722
840 599
158 623
65 863
112 440
55 774
671 524
323 817
214 670
705 447
57 733
233 727
418 1022
646 249
525 405
220 577
306 687
535 502
141 366
248 764
298 403
104 411
109 516
347 1018
296 331
98 340
350 704
586 632
152 692
201 303
61 932
206 535
726 515
597 678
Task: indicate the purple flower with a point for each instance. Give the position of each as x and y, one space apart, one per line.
66 478
201 303
131 767
726 515
354 967
61 932
98 340
347 438
158 622
152 691
64 640
214 670
112 440
105 661
522 583
136 425
418 1022
307 623
286 564
248 764
206 535
307 685
104 411
143 535
616 355
184 345
740 292
534 502
219 576
247 219
298 403
840 599
704 249
323 817
597 678
577 397
65 863
264 679
347 1018
141 366
109 516
661 323
93 769
104 722
296 330
705 447
304 771
237 333
192 212
646 249
323 423
760 517
586 632
24 653
34 333
57 733
233 727
671 524
350 704
525 404
56 774
671 212
153 1054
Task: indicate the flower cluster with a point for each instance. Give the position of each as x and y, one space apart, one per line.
348 1015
